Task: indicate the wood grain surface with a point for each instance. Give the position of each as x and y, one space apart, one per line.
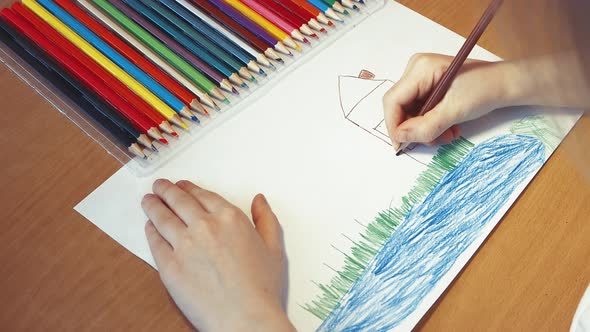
60 273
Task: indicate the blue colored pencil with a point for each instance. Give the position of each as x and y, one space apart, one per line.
151 84
211 33
178 41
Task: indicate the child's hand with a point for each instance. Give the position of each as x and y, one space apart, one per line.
479 88
224 273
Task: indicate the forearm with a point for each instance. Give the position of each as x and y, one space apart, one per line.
556 80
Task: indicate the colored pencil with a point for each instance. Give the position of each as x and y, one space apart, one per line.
304 15
119 60
138 59
349 4
151 55
255 35
184 15
275 19
337 6
123 76
137 111
308 7
128 119
208 65
288 16
208 42
246 16
164 51
324 8
202 48
440 89
12 35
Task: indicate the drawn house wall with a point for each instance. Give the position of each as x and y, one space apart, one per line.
361 103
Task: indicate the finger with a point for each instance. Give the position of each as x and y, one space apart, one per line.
446 137
423 129
267 224
210 201
161 250
179 201
167 223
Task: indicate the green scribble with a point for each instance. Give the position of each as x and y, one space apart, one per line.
380 229
538 126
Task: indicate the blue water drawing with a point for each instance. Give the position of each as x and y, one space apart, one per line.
435 233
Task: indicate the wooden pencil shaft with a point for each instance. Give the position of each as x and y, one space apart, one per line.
447 79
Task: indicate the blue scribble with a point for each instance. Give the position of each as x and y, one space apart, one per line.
435 233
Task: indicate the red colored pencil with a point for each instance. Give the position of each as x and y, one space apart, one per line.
301 13
68 56
288 16
114 41
303 4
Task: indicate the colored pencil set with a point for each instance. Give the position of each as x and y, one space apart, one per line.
147 70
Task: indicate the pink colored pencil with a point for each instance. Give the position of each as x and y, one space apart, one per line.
275 19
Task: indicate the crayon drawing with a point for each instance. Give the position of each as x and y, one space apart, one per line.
405 251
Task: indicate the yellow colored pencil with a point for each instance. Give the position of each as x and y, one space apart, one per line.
264 23
102 60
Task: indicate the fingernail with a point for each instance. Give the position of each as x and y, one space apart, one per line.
263 198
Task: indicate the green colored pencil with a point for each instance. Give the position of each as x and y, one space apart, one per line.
199 38
161 49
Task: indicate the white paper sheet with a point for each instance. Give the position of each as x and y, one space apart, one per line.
324 176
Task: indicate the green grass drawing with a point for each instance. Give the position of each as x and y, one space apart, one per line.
380 229
538 126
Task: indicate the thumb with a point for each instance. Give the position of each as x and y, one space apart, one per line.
424 129
267 224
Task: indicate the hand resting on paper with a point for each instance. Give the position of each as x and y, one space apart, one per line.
479 88
224 272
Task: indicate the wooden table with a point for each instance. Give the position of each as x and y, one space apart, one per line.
60 273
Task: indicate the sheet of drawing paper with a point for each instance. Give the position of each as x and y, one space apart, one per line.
377 237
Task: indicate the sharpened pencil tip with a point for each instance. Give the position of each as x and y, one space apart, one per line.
331 23
355 7
226 101
154 149
244 86
323 30
235 91
252 79
195 119
261 72
165 141
305 40
346 12
315 36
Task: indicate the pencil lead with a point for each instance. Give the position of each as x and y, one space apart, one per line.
346 12
226 101
261 72
330 23
175 134
305 40
154 148
195 119
165 141
235 91
323 30
244 86
315 36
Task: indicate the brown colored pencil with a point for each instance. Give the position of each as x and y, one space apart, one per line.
446 80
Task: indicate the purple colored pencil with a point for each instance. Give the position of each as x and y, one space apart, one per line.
244 21
170 43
